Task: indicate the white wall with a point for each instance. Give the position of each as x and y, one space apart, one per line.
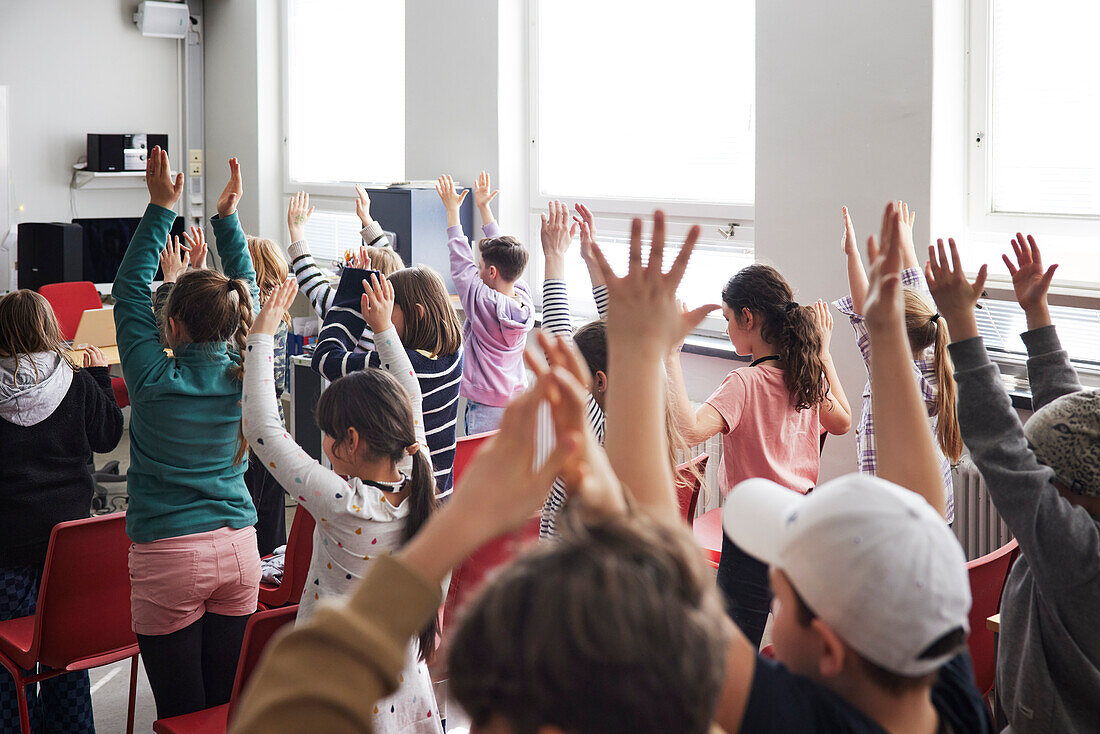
74 67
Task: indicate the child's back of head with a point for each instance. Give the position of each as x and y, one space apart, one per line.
385 259
429 320
28 326
614 628
506 254
925 329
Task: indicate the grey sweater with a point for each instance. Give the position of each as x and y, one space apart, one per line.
1048 658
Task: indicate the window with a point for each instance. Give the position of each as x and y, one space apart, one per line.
337 129
331 234
1034 163
647 105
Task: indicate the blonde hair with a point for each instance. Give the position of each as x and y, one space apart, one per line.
28 325
271 268
385 259
926 329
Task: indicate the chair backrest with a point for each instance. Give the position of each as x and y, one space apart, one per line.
70 301
987 580
299 552
465 448
261 627
689 480
84 599
468 577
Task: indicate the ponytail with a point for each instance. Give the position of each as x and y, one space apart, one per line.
925 329
790 328
244 320
422 503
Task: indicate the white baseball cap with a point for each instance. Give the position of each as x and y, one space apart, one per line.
872 560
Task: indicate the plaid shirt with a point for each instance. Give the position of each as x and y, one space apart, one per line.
923 370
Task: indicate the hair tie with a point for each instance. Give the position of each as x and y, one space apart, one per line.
412 449
934 318
790 307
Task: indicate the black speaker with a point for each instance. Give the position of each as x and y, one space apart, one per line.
49 252
127 152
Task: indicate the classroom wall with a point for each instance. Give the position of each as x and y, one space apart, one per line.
74 67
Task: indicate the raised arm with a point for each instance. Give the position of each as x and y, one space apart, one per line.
644 322
136 327
836 413
372 233
334 355
857 276
464 270
696 426
907 453
484 193
311 280
229 238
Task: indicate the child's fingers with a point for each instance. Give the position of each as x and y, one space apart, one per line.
656 263
929 278
979 282
942 252
956 261
601 263
872 249
679 265
1011 268
1036 256
1049 276
1017 251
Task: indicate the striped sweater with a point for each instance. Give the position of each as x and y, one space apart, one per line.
555 320
313 281
439 376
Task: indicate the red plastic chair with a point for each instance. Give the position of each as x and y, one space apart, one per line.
82 620
987 581
465 448
708 534
299 552
70 301
688 484
768 651
262 626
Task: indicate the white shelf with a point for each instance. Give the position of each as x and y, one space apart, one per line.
107 179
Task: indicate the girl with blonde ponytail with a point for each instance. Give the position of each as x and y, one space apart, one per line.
928 340
194 567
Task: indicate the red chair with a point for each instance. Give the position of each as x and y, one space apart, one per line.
262 626
708 534
465 448
987 581
70 301
82 620
688 483
299 551
768 651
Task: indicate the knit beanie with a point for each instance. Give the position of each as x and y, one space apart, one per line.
1065 435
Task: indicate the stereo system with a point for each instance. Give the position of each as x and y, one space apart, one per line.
122 152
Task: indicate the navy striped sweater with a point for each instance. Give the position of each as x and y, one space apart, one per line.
439 376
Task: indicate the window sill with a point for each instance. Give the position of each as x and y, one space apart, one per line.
709 346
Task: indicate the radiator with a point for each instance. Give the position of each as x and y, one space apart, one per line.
978 526
709 496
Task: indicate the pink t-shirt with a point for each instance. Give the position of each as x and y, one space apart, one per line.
765 436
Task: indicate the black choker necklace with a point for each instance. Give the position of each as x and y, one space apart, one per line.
388 486
769 358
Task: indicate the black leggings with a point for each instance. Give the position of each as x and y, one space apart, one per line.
270 501
193 668
743 581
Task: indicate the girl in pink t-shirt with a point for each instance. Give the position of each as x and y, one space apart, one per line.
771 413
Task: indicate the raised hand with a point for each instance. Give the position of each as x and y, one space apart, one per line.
883 307
452 200
556 234
298 213
173 264
824 321
197 241
848 242
231 194
360 260
163 189
954 294
271 315
1029 280
376 303
908 249
94 356
642 310
484 195
362 205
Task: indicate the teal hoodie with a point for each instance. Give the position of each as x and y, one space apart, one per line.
185 410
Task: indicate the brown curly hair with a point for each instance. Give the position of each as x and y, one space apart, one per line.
790 328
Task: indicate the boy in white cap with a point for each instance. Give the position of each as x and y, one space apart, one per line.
1044 478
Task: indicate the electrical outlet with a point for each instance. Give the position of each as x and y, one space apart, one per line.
195 155
195 169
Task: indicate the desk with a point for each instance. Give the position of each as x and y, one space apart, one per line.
993 624
77 355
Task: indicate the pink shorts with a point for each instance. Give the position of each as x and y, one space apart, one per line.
175 581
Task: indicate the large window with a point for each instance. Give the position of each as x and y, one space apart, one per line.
644 105
345 91
1035 161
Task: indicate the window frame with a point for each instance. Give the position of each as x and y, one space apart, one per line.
983 223
339 190
680 213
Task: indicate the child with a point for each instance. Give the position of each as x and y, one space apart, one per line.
313 282
498 305
371 421
770 414
928 339
52 416
271 270
1044 478
194 565
428 327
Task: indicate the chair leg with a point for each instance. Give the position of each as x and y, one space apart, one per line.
133 695
24 712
